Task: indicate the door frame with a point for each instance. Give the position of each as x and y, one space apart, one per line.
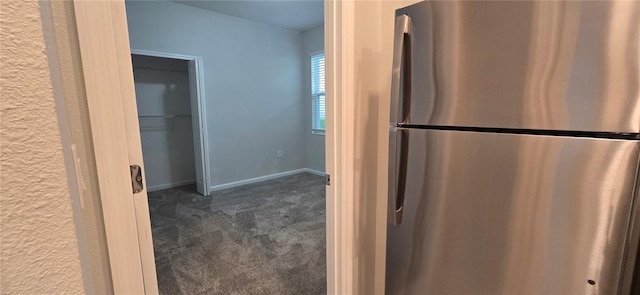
339 24
108 79
106 61
196 64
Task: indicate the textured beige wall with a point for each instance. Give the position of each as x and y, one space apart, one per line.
38 251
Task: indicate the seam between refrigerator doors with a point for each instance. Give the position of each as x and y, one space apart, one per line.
563 133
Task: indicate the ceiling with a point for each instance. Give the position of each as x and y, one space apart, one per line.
300 15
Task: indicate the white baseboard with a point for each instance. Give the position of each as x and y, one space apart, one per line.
263 178
316 172
169 185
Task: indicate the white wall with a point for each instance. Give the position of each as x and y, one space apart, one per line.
252 84
162 88
39 251
312 42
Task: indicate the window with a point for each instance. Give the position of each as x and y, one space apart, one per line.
318 114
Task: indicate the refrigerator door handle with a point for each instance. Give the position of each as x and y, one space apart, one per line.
400 94
401 71
398 158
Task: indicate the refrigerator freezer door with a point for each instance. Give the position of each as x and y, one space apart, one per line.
491 213
549 65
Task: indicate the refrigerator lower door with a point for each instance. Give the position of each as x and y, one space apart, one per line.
490 213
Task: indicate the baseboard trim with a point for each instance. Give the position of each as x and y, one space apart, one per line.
158 187
263 178
316 172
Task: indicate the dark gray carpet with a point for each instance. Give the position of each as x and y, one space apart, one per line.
261 238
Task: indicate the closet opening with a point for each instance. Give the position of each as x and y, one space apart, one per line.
170 102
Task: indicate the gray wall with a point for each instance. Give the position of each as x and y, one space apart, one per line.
252 84
162 88
312 42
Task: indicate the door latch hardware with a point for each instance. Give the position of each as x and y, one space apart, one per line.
136 178
328 180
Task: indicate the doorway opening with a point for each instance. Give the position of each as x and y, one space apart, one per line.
259 224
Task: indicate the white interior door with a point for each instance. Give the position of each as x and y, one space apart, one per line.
134 147
108 75
199 142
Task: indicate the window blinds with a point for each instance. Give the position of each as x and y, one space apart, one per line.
318 110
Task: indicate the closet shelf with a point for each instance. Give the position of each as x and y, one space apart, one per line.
169 126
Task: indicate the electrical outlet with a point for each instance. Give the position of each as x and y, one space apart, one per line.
279 154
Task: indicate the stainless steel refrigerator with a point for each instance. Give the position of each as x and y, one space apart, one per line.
514 148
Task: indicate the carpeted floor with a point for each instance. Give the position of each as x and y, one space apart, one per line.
261 238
